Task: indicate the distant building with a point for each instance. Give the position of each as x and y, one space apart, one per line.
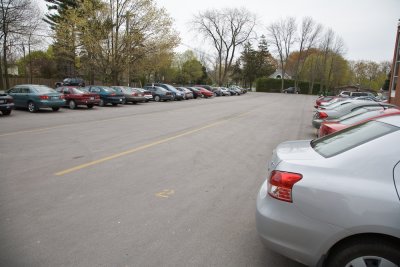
278 75
394 87
13 70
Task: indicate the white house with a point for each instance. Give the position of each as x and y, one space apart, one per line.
278 75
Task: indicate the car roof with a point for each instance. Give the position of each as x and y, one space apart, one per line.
393 120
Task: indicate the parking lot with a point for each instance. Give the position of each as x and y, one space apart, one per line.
152 184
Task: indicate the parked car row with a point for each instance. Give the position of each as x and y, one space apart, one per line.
335 200
34 97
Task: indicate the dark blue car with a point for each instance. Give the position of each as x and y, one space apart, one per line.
176 94
107 95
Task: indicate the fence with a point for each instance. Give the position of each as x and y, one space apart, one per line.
49 82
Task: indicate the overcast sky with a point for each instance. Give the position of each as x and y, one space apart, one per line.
368 27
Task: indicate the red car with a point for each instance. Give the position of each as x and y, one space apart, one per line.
328 127
74 97
323 99
205 93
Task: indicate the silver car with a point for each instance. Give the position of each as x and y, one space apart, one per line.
333 201
342 108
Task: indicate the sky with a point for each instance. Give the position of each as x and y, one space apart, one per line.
368 27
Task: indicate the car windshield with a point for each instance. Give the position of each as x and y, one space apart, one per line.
173 89
78 91
342 141
118 89
43 89
107 89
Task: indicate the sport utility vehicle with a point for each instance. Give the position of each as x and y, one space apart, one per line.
355 94
71 82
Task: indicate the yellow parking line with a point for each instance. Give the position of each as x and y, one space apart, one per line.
130 151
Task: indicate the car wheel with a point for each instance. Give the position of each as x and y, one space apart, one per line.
32 107
72 104
6 112
157 98
55 108
101 103
90 106
365 252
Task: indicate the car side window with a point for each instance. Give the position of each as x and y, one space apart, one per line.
14 91
66 91
25 90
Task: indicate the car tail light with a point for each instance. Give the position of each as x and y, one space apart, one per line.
61 96
97 96
280 184
322 115
134 94
44 97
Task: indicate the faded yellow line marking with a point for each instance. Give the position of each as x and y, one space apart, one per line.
165 193
130 151
60 126
36 130
136 149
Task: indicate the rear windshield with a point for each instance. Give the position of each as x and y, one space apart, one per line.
362 116
342 141
338 104
43 89
359 111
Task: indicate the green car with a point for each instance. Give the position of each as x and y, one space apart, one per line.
34 97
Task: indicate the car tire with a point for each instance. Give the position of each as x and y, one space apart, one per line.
101 103
367 251
6 112
55 108
157 98
89 106
72 104
32 107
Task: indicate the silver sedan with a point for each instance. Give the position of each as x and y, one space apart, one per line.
333 201
341 109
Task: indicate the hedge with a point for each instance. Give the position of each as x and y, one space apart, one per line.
270 85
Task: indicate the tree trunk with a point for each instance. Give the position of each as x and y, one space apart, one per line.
5 62
1 75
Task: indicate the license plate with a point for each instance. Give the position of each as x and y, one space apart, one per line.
55 97
92 98
2 101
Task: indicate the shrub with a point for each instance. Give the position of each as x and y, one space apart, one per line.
270 85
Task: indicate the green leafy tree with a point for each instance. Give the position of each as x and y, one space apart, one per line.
38 64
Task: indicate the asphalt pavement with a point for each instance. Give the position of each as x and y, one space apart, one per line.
152 184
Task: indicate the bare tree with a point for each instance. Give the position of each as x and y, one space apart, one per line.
281 35
309 33
14 17
227 29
